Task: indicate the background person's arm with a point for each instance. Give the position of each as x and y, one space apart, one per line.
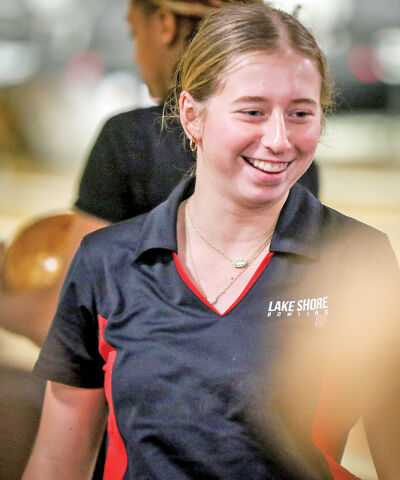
30 313
70 433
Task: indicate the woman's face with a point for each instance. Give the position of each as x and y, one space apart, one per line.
258 132
150 50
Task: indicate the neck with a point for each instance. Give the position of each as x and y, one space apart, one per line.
226 221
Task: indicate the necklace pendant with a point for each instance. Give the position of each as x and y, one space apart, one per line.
239 263
211 300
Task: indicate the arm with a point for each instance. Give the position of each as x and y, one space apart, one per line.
70 433
30 313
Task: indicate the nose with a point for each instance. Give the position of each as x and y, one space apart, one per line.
275 136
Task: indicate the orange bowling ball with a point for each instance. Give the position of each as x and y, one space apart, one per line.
35 258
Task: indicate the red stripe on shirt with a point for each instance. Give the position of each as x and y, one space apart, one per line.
117 458
252 280
185 277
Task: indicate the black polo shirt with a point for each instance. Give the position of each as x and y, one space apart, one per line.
248 394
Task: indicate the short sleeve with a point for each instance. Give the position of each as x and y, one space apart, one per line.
70 353
104 190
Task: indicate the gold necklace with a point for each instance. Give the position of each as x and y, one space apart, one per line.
240 263
213 300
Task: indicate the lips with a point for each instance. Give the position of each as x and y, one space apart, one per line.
265 166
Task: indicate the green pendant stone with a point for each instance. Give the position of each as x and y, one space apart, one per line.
239 263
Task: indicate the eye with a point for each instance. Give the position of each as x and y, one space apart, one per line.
253 113
301 114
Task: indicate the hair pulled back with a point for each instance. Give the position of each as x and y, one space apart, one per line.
234 30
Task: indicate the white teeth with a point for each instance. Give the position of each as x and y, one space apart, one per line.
269 167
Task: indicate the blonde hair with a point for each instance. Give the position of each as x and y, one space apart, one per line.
232 31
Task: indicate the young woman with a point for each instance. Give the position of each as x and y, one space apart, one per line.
216 330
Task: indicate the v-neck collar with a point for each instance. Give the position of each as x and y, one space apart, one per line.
297 231
186 279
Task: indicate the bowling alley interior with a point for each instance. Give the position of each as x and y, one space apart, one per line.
60 81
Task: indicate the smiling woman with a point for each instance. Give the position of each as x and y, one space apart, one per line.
222 329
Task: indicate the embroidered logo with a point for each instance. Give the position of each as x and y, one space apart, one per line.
305 307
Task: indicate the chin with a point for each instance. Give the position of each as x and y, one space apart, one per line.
265 196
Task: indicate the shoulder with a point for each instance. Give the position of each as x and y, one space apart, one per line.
329 231
358 248
141 118
140 132
336 225
120 236
129 135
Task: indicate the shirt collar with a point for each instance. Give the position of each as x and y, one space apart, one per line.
297 230
159 228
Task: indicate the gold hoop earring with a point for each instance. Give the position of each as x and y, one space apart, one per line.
192 145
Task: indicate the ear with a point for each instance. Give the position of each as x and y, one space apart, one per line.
168 26
189 113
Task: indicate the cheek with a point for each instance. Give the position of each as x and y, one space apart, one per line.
307 141
229 135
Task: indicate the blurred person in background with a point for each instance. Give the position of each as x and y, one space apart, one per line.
134 163
241 284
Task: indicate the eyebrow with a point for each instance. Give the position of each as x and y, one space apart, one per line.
305 100
256 98
249 98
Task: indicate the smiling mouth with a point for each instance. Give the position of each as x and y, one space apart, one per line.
268 167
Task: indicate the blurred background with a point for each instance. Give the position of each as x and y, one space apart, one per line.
65 66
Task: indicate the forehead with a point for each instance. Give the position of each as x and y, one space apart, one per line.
273 74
